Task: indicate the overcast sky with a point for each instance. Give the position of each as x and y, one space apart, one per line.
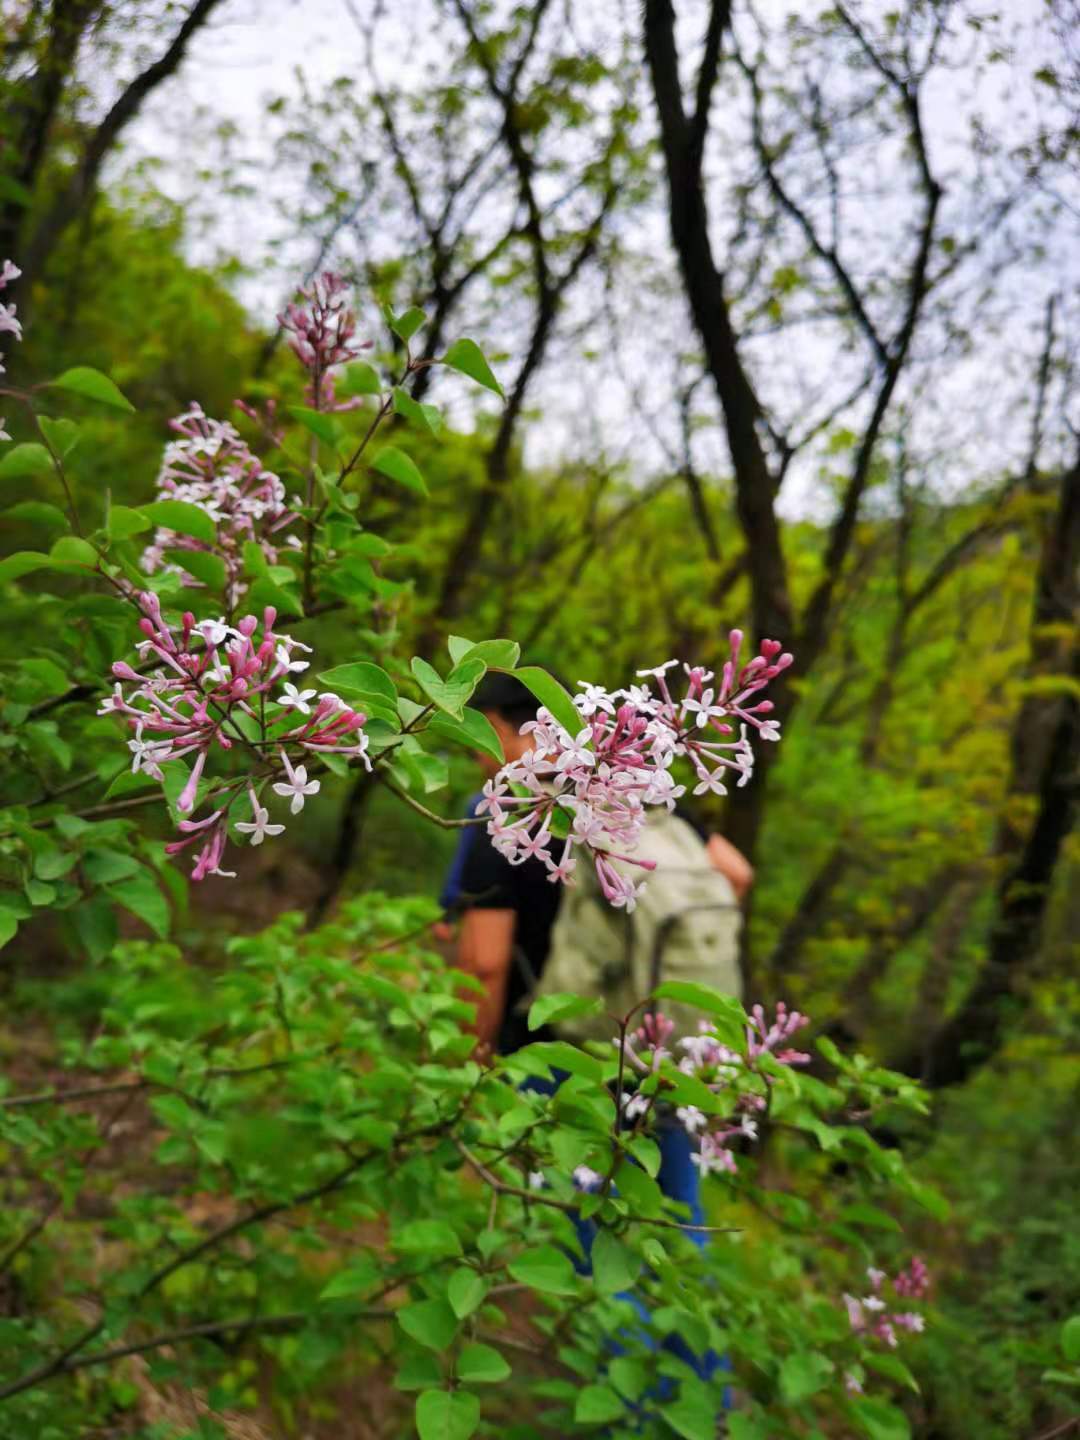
249 55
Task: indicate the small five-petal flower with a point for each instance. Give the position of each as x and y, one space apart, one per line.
298 786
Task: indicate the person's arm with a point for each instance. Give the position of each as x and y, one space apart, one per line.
485 949
732 864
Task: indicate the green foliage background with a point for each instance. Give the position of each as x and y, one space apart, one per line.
887 953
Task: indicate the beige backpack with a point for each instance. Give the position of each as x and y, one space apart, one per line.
685 926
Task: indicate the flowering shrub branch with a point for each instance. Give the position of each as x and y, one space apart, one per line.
382 1100
213 693
592 789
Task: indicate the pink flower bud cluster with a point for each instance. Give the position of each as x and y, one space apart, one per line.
8 323
871 1315
323 328
211 467
596 785
204 689
723 1070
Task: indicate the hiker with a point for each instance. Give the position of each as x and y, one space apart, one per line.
509 911
513 941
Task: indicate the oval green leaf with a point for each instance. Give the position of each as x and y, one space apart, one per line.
92 385
396 466
466 357
446 1415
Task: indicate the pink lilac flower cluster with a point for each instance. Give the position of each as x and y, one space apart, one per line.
723 1070
873 1316
8 323
323 328
601 780
210 466
204 688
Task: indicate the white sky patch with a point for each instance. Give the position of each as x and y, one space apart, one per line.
212 122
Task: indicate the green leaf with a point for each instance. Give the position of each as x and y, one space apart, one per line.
203 565
615 1267
360 378
142 897
639 1190
324 427
427 1237
71 550
407 323
804 1374
106 867
28 458
893 1368
552 696
423 417
704 997
929 1198
447 1415
693 1414
559 1055
598 1405
265 592
430 1322
473 730
185 519
21 563
1070 1339
95 924
62 434
647 1154
629 1376
868 1215
419 1370
496 654
357 1279
396 465
12 189
746 1427
481 1365
545 1269
125 522
451 694
880 1420
365 686
91 385
9 926
38 512
562 1007
467 357
465 1291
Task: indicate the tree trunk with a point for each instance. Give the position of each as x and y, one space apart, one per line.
1045 765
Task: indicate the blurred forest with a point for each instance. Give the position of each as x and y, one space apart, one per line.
784 303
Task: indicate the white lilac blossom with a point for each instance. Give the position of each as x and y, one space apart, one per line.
8 324
211 467
873 1316
259 827
592 789
586 1179
201 692
297 787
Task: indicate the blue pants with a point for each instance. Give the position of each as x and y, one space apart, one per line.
680 1180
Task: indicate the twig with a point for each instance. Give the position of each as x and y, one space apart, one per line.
94 1092
441 820
568 1207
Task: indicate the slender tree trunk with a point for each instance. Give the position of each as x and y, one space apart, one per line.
33 109
79 189
1045 773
